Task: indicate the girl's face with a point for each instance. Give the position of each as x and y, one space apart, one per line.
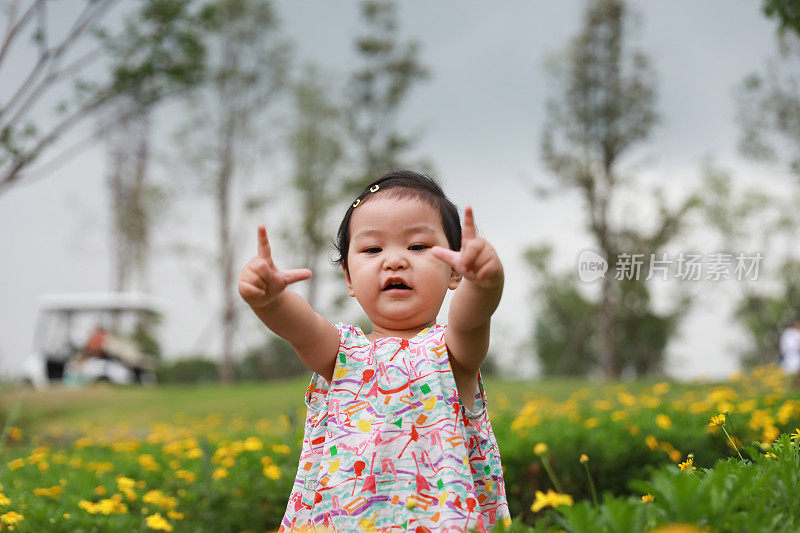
392 274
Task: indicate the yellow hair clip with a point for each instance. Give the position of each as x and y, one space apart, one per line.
355 204
374 188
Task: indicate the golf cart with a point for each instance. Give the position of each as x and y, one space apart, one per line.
94 337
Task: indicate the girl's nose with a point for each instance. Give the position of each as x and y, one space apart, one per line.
395 260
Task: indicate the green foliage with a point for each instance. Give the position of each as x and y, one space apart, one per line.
188 370
621 428
144 335
747 219
602 106
160 51
389 69
759 494
566 336
764 316
276 359
316 146
786 11
564 329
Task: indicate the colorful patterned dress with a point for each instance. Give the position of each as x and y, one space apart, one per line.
389 447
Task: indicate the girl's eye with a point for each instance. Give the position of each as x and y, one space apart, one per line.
372 250
418 247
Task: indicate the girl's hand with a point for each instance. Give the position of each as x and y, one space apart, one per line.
260 281
476 261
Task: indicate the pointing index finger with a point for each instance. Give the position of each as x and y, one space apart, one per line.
263 244
468 231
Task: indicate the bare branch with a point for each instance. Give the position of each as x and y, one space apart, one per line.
44 169
13 174
54 77
42 22
13 28
49 60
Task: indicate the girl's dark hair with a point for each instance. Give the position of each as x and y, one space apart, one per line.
403 184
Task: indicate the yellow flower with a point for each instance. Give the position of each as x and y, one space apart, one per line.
52 492
157 521
663 421
796 434
771 455
220 473
651 442
687 465
159 498
540 449
770 434
11 518
108 506
679 528
253 444
647 498
147 461
280 448
675 455
584 458
82 442
552 499
175 515
272 472
591 422
125 482
16 463
4 500
194 453
718 420
660 388
190 477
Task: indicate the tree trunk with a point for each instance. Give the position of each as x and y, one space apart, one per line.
606 329
227 371
141 242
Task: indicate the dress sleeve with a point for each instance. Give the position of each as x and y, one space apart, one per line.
317 392
318 388
479 406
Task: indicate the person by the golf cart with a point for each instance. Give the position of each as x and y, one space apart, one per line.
96 345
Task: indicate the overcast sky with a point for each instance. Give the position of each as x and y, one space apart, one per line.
480 118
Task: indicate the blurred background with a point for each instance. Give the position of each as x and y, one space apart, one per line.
141 142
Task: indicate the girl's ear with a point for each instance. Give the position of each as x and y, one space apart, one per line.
349 282
455 279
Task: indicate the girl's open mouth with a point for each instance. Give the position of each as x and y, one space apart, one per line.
397 286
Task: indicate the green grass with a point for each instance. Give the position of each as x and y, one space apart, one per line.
139 406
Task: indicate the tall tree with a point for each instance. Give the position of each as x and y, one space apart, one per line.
565 332
377 90
768 104
134 200
245 76
127 122
604 106
316 148
155 47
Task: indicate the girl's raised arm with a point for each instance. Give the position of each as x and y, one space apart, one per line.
476 298
262 285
